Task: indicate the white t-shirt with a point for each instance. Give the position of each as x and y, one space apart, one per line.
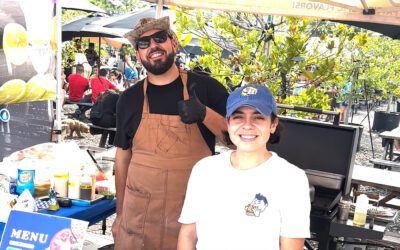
246 209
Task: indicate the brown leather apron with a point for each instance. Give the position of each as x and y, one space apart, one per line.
164 150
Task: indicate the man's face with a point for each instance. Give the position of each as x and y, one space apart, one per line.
158 58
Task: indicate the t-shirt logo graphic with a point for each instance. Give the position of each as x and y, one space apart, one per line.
249 91
256 206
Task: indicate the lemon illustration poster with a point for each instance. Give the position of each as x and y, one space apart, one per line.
27 73
28 51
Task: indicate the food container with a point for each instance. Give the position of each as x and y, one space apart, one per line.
324 179
42 182
61 183
26 177
42 188
106 188
107 167
74 183
344 209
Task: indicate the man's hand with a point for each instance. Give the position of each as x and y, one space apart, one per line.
191 110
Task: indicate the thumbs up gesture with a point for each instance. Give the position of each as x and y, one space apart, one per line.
191 110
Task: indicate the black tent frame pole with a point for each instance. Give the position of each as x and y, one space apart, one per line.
369 121
99 52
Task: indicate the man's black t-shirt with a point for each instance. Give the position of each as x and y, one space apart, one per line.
164 100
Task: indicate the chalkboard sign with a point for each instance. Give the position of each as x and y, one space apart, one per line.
29 124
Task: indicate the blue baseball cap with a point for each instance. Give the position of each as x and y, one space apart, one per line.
253 95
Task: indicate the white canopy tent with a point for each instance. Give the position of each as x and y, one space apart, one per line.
365 11
80 5
373 11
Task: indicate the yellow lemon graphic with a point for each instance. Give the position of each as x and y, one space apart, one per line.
12 91
15 43
51 87
35 88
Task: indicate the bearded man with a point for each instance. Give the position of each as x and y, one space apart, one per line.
165 124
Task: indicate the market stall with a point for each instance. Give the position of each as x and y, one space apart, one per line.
59 179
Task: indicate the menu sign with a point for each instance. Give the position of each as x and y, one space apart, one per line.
40 231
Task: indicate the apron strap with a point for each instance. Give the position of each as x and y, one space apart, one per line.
183 75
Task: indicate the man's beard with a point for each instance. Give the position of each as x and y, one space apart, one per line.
159 67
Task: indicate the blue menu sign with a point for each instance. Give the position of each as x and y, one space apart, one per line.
26 230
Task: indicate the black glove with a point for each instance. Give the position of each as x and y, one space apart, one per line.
191 110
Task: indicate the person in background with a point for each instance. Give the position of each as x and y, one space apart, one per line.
332 92
64 80
165 124
344 105
112 61
130 72
103 113
64 87
114 77
301 85
95 73
100 84
91 55
397 145
264 198
77 86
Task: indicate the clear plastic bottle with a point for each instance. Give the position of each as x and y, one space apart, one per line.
74 183
61 182
86 187
360 213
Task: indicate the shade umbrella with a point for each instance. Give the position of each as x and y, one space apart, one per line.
89 26
113 42
128 21
389 30
80 5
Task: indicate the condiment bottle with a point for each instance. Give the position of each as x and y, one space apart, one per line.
86 187
360 213
26 177
61 182
74 183
42 185
13 185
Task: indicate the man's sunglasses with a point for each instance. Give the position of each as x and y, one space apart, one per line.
158 37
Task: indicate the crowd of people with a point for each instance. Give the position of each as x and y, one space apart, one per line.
92 77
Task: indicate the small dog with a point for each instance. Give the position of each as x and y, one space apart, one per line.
75 126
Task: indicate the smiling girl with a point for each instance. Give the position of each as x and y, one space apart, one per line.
248 198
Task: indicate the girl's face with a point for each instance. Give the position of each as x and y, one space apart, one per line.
249 130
